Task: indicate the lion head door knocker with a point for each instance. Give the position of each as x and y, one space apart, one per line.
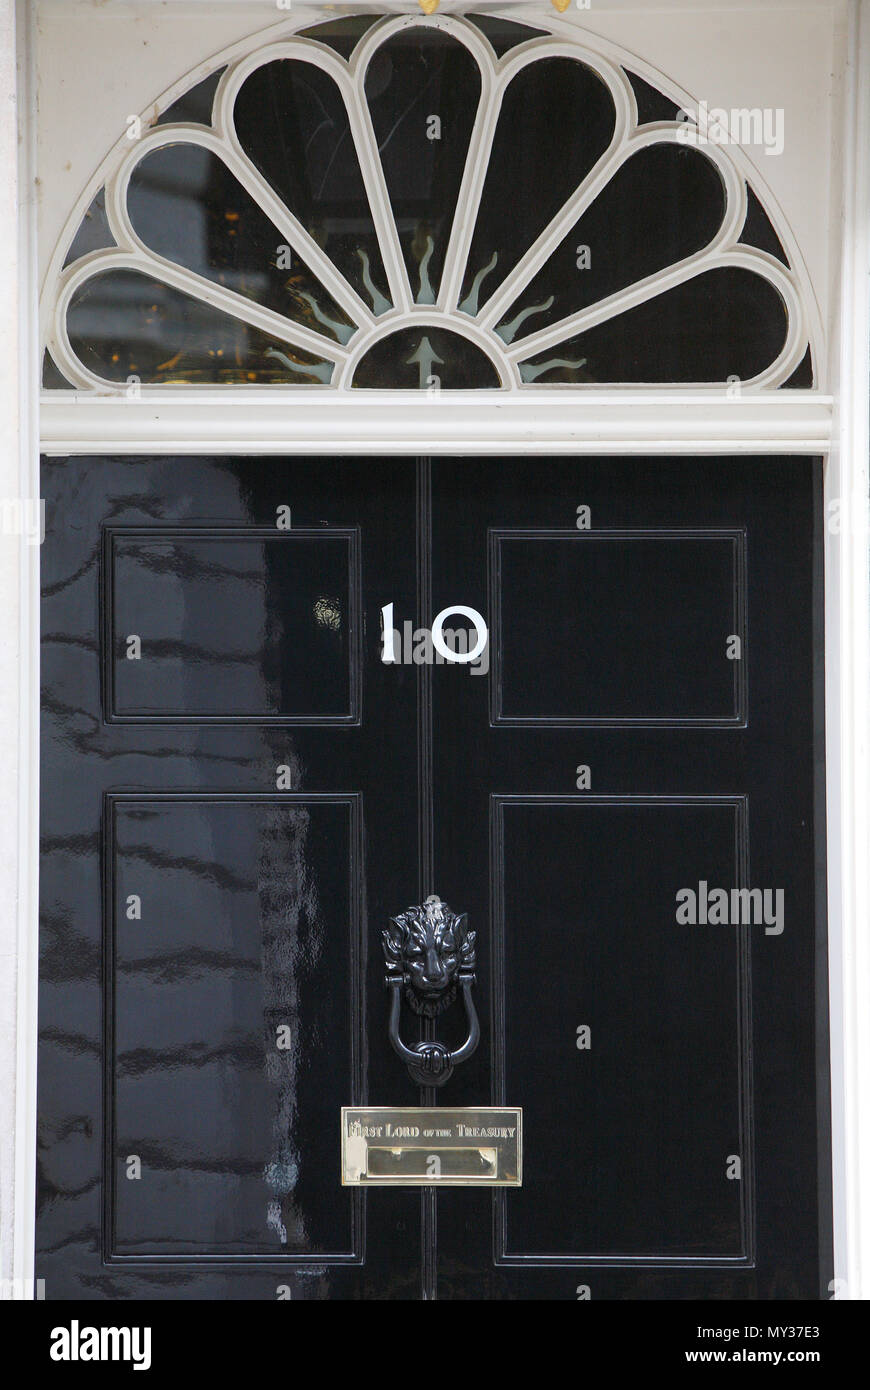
430 957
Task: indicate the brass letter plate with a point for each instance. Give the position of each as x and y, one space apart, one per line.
409 1146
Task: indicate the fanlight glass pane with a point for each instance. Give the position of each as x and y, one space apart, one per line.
186 205
758 229
124 325
293 124
341 35
94 233
556 120
426 359
801 378
195 105
651 104
423 90
665 203
724 323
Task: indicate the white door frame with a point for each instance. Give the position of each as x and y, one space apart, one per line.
639 422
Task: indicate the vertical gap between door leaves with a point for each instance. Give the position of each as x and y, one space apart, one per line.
425 819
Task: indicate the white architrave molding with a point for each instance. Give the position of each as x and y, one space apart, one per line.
266 421
847 695
10 937
19 641
600 56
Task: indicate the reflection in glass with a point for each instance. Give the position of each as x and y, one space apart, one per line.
423 89
726 322
666 202
186 205
123 324
293 124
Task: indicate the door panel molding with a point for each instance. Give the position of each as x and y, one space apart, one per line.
114 538
734 621
113 803
742 1003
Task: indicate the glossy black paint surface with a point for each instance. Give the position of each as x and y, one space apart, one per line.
236 623
229 822
249 905
703 1039
255 900
617 627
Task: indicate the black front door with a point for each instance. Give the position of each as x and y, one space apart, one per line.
623 793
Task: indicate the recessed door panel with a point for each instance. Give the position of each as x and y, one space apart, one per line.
235 623
646 1042
616 628
228 917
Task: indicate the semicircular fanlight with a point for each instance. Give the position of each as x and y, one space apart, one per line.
459 203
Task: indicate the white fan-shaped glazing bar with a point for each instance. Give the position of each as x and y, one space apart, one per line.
733 219
125 234
716 253
495 75
472 40
761 263
359 122
380 33
477 163
316 54
592 186
200 286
